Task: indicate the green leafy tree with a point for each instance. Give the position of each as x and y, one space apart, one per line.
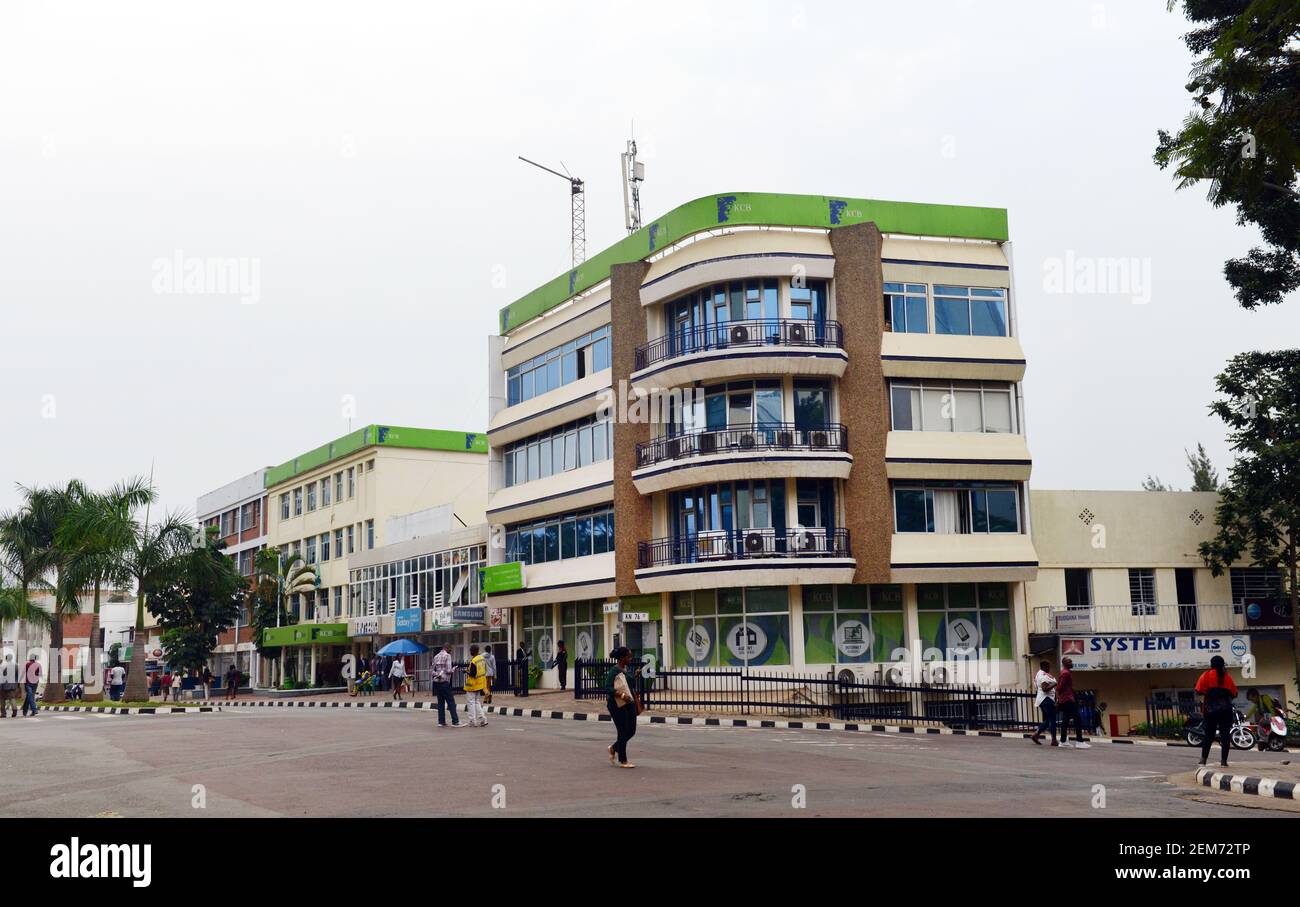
1154 483
195 599
25 557
1204 476
1258 516
1242 138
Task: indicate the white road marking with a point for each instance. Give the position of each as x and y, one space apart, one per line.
69 717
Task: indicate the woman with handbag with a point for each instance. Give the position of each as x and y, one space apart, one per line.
624 706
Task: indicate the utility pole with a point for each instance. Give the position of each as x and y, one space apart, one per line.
577 210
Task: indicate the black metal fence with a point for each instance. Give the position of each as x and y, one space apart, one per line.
1167 719
763 436
726 545
728 334
792 695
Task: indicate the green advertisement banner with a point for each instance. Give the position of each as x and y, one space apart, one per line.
502 577
306 635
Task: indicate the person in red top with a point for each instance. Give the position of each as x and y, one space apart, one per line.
1219 691
1069 707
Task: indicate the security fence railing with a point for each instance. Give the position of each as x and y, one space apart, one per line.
738 544
787 332
736 691
758 437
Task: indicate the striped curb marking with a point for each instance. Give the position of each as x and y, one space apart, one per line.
1247 784
698 722
118 710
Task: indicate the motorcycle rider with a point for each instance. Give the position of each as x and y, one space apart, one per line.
1263 708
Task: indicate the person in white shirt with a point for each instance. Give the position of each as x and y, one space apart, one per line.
117 680
1045 699
397 673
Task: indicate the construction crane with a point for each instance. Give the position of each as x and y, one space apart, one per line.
578 204
633 175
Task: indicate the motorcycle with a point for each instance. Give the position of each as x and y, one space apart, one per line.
1242 734
1272 737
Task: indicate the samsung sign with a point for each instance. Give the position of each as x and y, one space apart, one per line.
1152 652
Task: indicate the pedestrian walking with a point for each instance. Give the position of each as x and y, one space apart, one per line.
207 681
9 687
31 679
490 672
1218 690
475 683
232 681
562 664
176 687
166 684
623 707
440 677
155 684
116 682
397 674
1045 699
1068 707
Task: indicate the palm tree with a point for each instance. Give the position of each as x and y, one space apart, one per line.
49 509
144 552
24 557
17 607
278 578
96 533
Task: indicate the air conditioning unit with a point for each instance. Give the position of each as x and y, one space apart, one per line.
818 440
939 674
892 675
855 673
673 449
739 334
708 443
754 543
798 332
785 439
805 541
747 441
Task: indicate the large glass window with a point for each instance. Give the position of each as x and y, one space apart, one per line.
561 537
959 621
311 497
732 627
970 310
930 405
582 627
950 507
449 577
571 446
852 624
905 308
1142 590
539 633
557 367
284 506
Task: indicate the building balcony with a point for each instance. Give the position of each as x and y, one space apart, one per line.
957 455
775 346
951 356
730 454
975 557
1142 619
745 557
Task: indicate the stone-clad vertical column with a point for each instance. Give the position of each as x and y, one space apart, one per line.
632 512
864 405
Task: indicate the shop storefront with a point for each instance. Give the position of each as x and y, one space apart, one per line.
313 653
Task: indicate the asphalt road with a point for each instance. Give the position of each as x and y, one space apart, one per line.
388 762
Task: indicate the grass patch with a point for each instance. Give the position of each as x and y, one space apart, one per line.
109 704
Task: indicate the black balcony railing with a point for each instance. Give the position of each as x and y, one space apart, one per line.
787 332
768 436
743 544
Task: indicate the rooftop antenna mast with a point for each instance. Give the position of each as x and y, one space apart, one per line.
633 176
578 204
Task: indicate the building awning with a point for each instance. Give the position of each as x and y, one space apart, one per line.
306 635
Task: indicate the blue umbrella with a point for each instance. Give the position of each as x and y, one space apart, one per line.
403 647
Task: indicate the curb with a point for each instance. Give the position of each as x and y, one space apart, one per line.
688 722
141 710
1247 784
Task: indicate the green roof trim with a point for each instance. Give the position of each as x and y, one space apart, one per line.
377 436
759 209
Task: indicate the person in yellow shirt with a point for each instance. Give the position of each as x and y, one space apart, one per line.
475 685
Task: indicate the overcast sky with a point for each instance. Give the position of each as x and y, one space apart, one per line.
361 157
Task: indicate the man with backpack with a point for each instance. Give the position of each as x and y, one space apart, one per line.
475 684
